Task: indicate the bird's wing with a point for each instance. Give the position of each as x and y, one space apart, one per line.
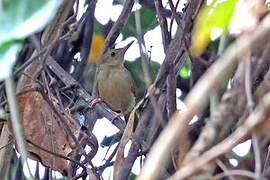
129 78
97 79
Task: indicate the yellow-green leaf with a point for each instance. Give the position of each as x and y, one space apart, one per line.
216 15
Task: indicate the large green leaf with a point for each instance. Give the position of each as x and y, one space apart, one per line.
148 21
217 15
19 19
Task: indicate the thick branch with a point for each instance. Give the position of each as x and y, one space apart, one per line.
197 99
259 116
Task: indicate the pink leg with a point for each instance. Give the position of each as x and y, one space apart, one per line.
116 116
94 102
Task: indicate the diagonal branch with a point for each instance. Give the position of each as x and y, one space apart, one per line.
259 116
118 25
197 99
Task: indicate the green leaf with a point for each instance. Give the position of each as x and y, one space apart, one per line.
148 21
20 18
132 176
185 71
135 69
8 55
214 45
98 28
11 172
110 140
217 15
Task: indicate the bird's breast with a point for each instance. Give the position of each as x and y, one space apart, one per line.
115 89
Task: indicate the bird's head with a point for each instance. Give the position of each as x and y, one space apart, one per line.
114 57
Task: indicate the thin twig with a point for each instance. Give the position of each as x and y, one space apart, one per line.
257 156
171 92
250 103
266 163
174 15
118 25
10 142
145 65
37 171
114 151
166 37
144 62
64 122
56 154
250 106
224 169
236 173
75 27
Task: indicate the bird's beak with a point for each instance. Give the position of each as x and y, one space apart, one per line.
124 49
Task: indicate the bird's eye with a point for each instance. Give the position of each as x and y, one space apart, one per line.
113 54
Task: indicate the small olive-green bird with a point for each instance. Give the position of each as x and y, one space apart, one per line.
114 83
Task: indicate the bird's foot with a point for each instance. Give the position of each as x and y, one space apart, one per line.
94 102
116 116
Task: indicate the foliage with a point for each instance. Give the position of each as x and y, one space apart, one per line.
216 15
135 68
19 19
43 114
148 21
110 140
186 70
132 176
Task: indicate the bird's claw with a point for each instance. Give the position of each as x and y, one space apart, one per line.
116 116
94 102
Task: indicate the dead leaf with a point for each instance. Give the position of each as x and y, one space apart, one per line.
43 127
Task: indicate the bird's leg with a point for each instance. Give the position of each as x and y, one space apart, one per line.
94 102
116 116
99 100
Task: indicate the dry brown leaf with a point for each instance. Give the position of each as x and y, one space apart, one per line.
43 127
